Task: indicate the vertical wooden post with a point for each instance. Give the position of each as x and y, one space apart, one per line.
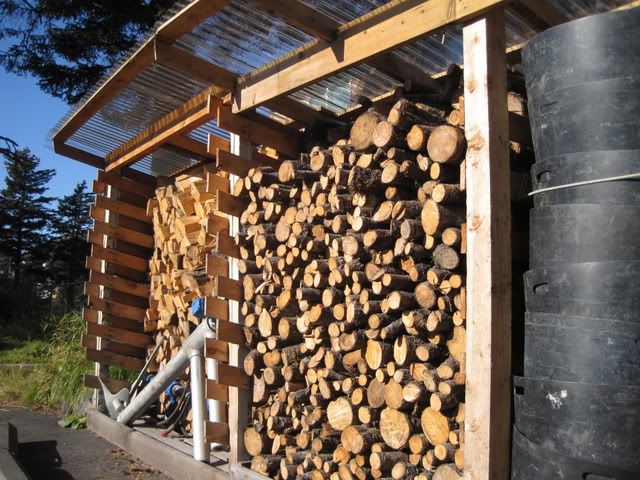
238 398
488 394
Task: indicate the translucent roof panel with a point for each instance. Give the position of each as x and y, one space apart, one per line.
241 38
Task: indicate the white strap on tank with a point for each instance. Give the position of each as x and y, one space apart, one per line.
628 176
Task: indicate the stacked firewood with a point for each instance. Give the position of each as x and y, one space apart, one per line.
353 272
184 233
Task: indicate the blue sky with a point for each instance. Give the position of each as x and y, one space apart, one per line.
26 116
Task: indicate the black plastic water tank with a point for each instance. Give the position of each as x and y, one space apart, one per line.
588 166
583 85
596 290
579 349
594 423
563 234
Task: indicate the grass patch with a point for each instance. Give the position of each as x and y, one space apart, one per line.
16 351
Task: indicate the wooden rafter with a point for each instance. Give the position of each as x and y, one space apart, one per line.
158 138
538 14
384 29
183 22
315 23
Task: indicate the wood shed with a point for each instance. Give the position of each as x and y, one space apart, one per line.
344 185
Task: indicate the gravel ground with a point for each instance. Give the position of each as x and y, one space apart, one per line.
83 455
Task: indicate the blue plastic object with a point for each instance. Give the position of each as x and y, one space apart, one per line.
197 307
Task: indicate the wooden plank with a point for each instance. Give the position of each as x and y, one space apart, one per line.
217 308
216 349
116 180
91 341
233 377
110 307
93 289
122 233
488 393
227 203
122 208
112 255
216 432
110 332
196 119
231 332
384 29
538 14
120 284
215 391
122 220
115 269
78 154
216 265
227 288
230 163
187 145
264 132
109 358
90 315
91 381
226 245
216 224
215 182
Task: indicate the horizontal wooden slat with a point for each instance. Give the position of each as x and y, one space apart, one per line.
227 203
216 349
217 433
217 308
230 332
93 290
134 339
90 315
195 149
91 381
117 181
215 182
78 154
122 208
91 341
228 162
216 265
226 245
122 233
215 391
109 358
116 309
120 284
216 224
114 269
228 288
232 376
100 214
114 256
279 137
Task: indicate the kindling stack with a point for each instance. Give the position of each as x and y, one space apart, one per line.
354 302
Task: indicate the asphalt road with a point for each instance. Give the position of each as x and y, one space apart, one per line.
81 454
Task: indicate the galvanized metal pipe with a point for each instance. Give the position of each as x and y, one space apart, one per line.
170 372
201 451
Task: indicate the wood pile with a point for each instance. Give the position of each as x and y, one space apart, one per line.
183 265
353 263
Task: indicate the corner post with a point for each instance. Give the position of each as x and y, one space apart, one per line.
238 398
488 392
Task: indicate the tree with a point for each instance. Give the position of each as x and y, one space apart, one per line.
24 210
70 225
67 45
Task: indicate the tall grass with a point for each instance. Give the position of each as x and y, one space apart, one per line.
57 382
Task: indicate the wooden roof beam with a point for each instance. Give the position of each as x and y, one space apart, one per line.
323 27
538 14
386 28
158 138
183 22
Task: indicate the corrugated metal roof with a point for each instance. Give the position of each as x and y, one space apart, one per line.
241 38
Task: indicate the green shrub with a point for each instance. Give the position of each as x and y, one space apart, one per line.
58 380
